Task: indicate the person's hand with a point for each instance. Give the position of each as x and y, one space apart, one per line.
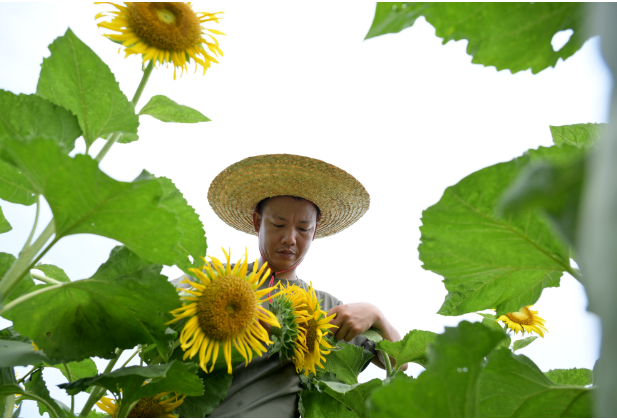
353 319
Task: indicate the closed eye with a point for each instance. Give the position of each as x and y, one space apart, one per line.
276 225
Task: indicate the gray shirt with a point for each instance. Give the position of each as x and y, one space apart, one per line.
265 388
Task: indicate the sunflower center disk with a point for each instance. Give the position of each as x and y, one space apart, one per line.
521 317
311 334
168 26
226 307
147 408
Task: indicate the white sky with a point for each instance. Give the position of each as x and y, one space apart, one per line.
402 113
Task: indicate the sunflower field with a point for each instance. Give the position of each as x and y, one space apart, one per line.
498 237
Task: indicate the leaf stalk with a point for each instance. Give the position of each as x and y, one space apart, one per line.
36 221
98 391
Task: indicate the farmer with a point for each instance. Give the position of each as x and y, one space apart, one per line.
288 201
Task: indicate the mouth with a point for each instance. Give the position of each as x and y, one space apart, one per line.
286 252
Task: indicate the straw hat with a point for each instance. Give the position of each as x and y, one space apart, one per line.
237 190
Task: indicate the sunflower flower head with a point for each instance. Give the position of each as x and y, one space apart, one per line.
524 320
224 308
164 33
290 309
159 406
311 341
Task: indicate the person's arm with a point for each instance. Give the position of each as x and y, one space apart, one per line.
356 318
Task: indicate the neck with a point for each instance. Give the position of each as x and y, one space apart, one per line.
289 275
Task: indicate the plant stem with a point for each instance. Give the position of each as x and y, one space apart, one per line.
131 357
22 379
26 297
97 392
8 406
36 221
21 265
116 135
386 359
44 279
70 377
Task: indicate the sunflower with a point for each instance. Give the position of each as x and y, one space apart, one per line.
148 407
225 308
312 344
524 320
164 32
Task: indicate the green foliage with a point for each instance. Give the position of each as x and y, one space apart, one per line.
494 325
448 386
26 284
522 343
75 78
14 186
125 291
216 385
412 348
4 224
314 404
571 377
83 199
578 135
78 369
352 396
347 362
372 334
489 261
53 272
283 338
24 117
166 110
36 385
513 386
513 36
16 353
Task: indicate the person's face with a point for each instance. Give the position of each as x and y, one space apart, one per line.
286 229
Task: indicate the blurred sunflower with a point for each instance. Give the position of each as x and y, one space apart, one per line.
225 309
164 32
158 406
524 320
311 337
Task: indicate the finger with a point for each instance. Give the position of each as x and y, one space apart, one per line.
342 332
337 320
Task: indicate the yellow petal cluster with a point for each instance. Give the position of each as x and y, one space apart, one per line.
148 407
525 320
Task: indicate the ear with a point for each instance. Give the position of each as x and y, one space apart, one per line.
256 221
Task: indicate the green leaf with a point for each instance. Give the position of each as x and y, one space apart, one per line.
513 386
53 272
14 353
216 386
23 117
521 343
166 110
125 137
75 78
348 362
23 287
4 224
14 186
84 200
36 385
125 303
578 135
494 325
571 377
412 348
314 404
490 261
78 369
448 386
513 36
352 396
95 414
10 334
193 241
372 334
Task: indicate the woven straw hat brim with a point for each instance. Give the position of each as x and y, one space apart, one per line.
236 191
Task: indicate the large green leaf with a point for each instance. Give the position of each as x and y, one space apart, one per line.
193 243
166 110
77 369
14 186
36 385
348 362
53 272
216 386
24 286
4 224
352 396
571 377
314 404
513 386
578 135
412 348
448 386
14 353
83 199
23 117
123 304
513 36
75 78
489 261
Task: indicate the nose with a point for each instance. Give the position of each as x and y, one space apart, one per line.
289 237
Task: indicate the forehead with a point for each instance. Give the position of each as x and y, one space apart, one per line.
288 205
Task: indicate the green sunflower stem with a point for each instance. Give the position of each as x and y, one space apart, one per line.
116 135
70 378
36 221
8 406
98 392
386 359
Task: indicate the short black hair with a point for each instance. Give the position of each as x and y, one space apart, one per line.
262 203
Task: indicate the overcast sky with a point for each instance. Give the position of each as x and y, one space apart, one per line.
404 114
